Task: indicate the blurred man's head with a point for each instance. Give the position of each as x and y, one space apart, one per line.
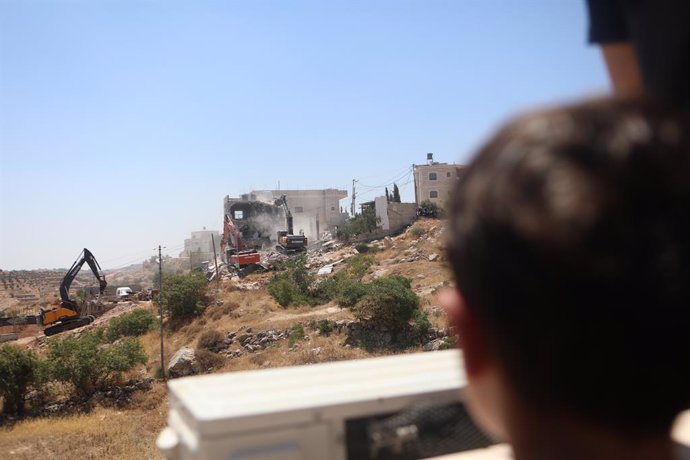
570 246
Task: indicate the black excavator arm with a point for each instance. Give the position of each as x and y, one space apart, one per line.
288 214
85 257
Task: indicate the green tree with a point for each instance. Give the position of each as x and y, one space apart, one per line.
17 369
396 193
88 364
362 223
132 324
183 295
390 302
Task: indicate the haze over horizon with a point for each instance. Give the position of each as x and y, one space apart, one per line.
124 124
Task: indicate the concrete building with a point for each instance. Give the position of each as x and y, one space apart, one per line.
435 181
313 211
394 216
199 247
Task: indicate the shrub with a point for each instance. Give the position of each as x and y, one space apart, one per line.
362 223
324 326
428 208
17 369
211 340
390 302
88 364
184 295
283 290
363 248
417 231
135 323
351 292
294 285
421 325
296 334
358 266
206 360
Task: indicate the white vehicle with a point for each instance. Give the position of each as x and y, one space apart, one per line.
123 293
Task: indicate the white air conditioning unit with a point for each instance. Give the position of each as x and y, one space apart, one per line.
313 412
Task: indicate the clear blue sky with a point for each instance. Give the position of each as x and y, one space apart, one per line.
123 124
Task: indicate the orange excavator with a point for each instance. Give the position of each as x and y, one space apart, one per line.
65 314
233 249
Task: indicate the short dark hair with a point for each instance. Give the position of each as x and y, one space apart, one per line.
569 240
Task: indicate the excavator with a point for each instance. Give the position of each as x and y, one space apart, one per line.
289 243
233 248
65 315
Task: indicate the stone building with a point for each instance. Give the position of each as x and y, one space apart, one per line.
313 211
394 216
199 248
435 181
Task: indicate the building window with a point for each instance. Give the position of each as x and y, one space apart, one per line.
432 176
299 209
433 194
448 174
238 215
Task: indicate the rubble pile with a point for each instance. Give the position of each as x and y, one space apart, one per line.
248 342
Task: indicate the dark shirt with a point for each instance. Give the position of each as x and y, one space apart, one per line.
659 31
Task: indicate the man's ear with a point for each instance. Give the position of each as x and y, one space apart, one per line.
473 339
486 393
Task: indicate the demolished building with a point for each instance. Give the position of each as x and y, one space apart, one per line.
258 222
314 212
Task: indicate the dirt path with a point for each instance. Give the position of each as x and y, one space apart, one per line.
314 312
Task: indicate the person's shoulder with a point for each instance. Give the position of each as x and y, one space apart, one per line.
682 451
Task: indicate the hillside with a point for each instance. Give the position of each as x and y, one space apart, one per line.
256 333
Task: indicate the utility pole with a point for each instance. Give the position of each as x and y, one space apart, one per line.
352 206
160 305
215 259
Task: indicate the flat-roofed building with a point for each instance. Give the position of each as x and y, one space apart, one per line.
435 181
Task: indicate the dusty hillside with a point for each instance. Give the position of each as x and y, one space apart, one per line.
257 333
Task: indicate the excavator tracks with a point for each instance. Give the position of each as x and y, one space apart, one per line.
69 325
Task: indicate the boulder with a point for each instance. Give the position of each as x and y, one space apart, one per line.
434 345
182 363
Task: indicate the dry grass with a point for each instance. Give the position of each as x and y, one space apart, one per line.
101 434
312 349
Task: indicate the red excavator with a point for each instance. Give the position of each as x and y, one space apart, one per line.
65 315
233 249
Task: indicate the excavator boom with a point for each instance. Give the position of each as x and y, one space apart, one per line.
65 316
85 257
288 242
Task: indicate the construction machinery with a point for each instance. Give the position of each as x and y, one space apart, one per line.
288 242
66 314
233 249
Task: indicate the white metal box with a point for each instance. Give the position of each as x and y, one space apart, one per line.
299 413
